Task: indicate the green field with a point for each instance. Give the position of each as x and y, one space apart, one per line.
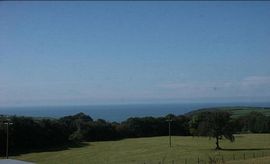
156 150
241 112
236 111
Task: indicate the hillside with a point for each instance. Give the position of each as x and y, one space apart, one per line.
154 150
236 111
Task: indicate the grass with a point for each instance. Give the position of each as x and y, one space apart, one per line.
241 112
155 149
236 111
260 160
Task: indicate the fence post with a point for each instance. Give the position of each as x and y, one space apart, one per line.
233 157
198 160
253 155
244 156
262 154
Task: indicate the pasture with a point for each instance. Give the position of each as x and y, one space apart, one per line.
246 148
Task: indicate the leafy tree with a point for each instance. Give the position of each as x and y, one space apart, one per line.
255 122
77 126
215 124
220 126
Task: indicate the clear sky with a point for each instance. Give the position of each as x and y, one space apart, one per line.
70 53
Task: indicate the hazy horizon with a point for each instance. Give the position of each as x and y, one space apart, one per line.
83 53
147 103
120 112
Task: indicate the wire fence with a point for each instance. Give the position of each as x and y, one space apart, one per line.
214 159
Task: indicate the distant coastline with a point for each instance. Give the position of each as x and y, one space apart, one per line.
118 112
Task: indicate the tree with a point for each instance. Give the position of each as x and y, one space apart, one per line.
257 122
216 124
77 126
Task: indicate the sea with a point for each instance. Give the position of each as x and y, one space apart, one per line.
119 112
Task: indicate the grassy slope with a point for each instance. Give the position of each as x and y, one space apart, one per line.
236 111
241 112
155 149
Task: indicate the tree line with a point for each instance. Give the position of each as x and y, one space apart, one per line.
32 134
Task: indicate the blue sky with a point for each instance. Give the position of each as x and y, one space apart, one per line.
71 53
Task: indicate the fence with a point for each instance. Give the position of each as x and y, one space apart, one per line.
216 159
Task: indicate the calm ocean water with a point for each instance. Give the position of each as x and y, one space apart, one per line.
117 112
